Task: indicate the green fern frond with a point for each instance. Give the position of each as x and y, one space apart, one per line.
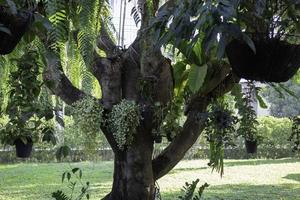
57 11
189 190
59 195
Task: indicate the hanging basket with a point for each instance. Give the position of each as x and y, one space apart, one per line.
23 150
17 24
274 60
251 146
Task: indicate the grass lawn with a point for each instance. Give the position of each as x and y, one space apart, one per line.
243 179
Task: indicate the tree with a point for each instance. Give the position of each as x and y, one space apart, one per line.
141 97
283 105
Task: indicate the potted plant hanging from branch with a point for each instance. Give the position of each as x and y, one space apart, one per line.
247 128
27 116
273 26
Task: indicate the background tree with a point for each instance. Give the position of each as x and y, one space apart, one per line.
141 97
283 105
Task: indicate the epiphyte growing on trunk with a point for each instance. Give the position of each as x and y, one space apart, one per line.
123 120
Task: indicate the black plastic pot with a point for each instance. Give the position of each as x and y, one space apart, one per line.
251 146
274 60
17 24
23 150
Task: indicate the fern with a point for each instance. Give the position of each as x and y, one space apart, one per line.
59 195
57 12
189 190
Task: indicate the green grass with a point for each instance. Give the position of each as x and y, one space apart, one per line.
243 179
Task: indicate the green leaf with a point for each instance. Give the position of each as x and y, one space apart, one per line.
68 176
74 170
178 70
196 77
193 55
63 177
287 90
80 174
260 100
49 135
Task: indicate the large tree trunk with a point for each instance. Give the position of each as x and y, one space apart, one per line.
133 174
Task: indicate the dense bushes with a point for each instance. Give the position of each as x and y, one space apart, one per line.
276 132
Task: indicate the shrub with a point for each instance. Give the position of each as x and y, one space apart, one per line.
275 132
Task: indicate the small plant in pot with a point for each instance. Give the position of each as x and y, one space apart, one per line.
248 119
24 135
26 114
273 26
20 135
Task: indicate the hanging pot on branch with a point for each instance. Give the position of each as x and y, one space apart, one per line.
17 24
23 149
251 146
274 61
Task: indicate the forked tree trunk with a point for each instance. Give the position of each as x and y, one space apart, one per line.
133 174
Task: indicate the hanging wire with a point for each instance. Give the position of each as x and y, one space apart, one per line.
120 23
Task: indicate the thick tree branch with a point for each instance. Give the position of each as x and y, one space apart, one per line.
221 70
105 42
192 129
57 81
108 73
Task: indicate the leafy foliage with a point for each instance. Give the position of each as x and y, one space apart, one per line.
84 192
281 103
88 118
275 131
23 108
123 120
88 115
220 129
189 190
295 136
218 22
248 119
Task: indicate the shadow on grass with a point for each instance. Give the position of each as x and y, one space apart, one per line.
232 163
245 192
184 169
294 177
260 162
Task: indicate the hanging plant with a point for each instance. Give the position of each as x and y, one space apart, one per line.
272 26
88 118
260 37
248 118
26 125
88 115
123 121
220 129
